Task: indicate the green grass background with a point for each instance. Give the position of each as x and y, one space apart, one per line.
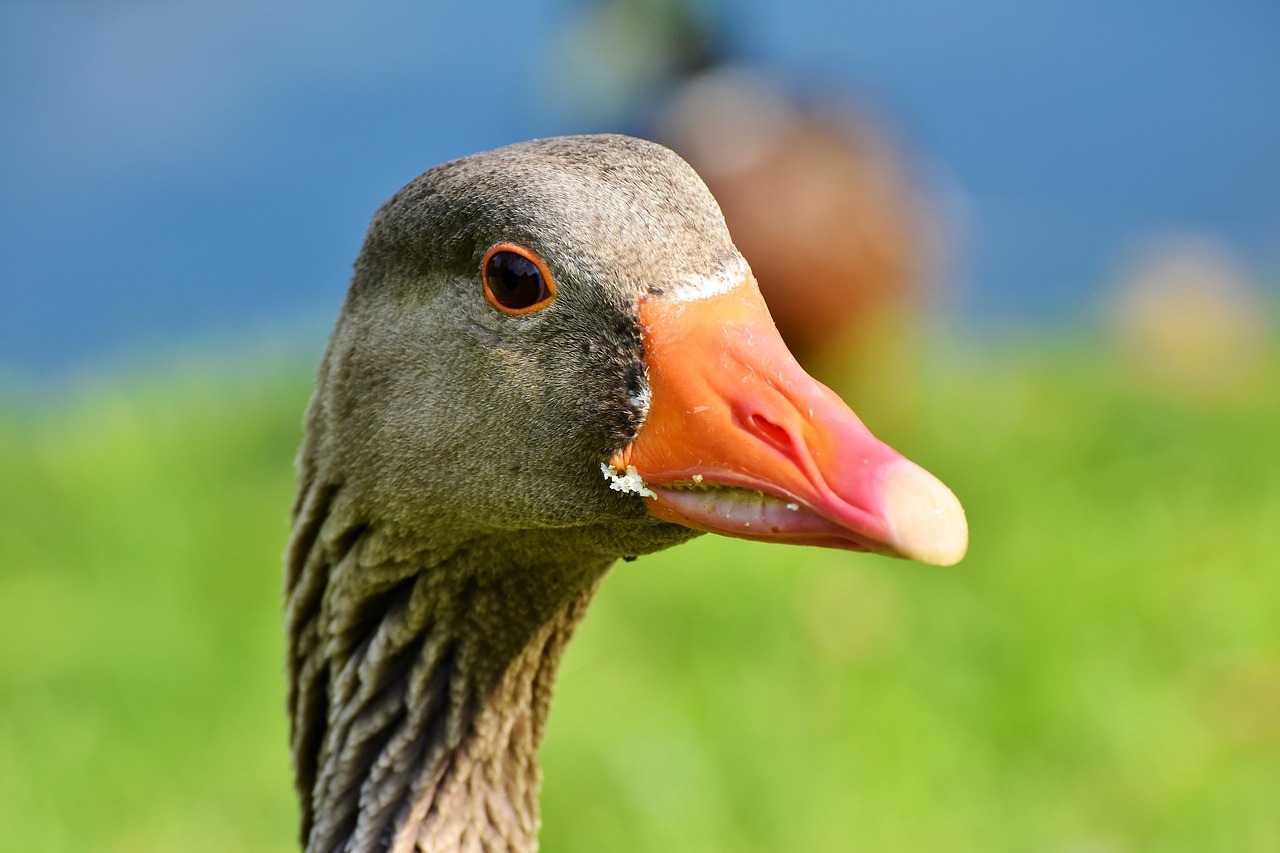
1100 675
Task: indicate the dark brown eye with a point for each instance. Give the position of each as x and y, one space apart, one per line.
515 279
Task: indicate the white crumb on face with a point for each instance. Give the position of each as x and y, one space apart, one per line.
794 507
705 286
641 401
697 478
628 482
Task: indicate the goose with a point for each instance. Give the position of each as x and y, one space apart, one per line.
550 356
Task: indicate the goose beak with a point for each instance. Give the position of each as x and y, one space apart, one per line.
740 441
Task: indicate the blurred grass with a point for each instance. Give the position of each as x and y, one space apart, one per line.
1101 674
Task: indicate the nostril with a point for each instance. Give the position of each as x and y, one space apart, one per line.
775 434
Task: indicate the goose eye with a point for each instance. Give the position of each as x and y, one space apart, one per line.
515 279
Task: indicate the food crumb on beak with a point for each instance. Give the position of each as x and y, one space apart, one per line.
628 482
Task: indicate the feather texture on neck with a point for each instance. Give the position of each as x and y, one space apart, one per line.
422 680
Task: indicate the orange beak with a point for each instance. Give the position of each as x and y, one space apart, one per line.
739 440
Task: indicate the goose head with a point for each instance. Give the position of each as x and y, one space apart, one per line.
551 355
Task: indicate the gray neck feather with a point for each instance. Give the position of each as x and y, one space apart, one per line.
421 681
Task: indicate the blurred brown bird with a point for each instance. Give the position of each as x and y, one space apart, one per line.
820 202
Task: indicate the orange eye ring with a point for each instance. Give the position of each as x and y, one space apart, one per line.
516 281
